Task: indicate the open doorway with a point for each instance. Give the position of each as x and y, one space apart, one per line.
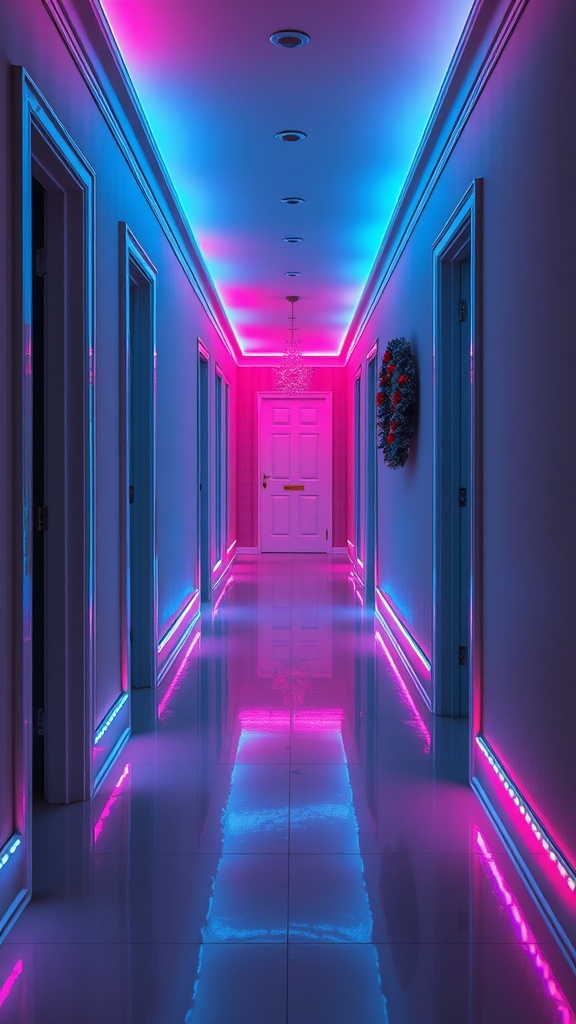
455 551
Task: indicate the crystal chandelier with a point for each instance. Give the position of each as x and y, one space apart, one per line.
293 374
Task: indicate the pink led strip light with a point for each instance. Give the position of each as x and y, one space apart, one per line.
524 934
406 698
279 720
165 702
11 980
556 856
99 826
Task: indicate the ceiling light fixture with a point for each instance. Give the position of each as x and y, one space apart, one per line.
292 200
292 239
292 273
293 375
289 38
290 135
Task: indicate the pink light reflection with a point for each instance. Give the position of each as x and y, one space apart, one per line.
221 596
99 826
163 706
11 981
280 720
417 719
523 932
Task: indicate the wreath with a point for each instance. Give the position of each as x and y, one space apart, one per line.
396 402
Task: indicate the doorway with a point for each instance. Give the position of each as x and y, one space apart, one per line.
455 551
371 449
140 630
204 479
38 271
295 473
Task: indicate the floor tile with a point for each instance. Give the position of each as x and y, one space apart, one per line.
289 837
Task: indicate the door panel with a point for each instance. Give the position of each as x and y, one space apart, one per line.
295 483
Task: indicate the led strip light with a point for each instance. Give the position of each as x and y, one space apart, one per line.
405 696
116 709
99 826
9 849
8 985
405 632
176 625
523 932
163 705
548 845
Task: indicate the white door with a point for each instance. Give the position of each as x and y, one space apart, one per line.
295 481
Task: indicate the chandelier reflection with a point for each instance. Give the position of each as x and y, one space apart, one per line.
293 374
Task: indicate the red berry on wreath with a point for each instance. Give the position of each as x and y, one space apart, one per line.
396 398
390 438
379 398
387 357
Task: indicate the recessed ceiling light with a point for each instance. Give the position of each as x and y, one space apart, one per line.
292 238
292 273
290 135
292 200
289 38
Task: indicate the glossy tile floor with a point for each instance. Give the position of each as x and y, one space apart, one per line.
288 838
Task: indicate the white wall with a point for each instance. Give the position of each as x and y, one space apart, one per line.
521 140
29 37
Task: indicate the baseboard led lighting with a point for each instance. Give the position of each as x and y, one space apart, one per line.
9 849
105 725
564 869
99 826
165 702
405 632
176 625
352 578
525 936
419 723
221 596
8 985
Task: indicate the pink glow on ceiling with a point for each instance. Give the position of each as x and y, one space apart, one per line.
215 92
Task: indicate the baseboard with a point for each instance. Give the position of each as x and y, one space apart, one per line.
519 827
247 551
175 637
415 661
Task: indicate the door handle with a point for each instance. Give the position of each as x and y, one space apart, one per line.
265 477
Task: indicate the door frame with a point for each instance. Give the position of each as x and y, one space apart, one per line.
45 149
461 233
264 395
371 521
138 376
359 496
204 475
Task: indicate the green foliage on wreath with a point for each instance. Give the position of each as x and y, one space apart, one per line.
396 402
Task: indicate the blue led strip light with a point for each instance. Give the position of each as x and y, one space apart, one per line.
565 870
9 849
105 725
176 625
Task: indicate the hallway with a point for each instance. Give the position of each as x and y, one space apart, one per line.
287 838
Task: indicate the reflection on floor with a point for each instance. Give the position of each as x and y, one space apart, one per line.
288 838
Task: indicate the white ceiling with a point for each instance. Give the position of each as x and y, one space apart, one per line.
215 92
